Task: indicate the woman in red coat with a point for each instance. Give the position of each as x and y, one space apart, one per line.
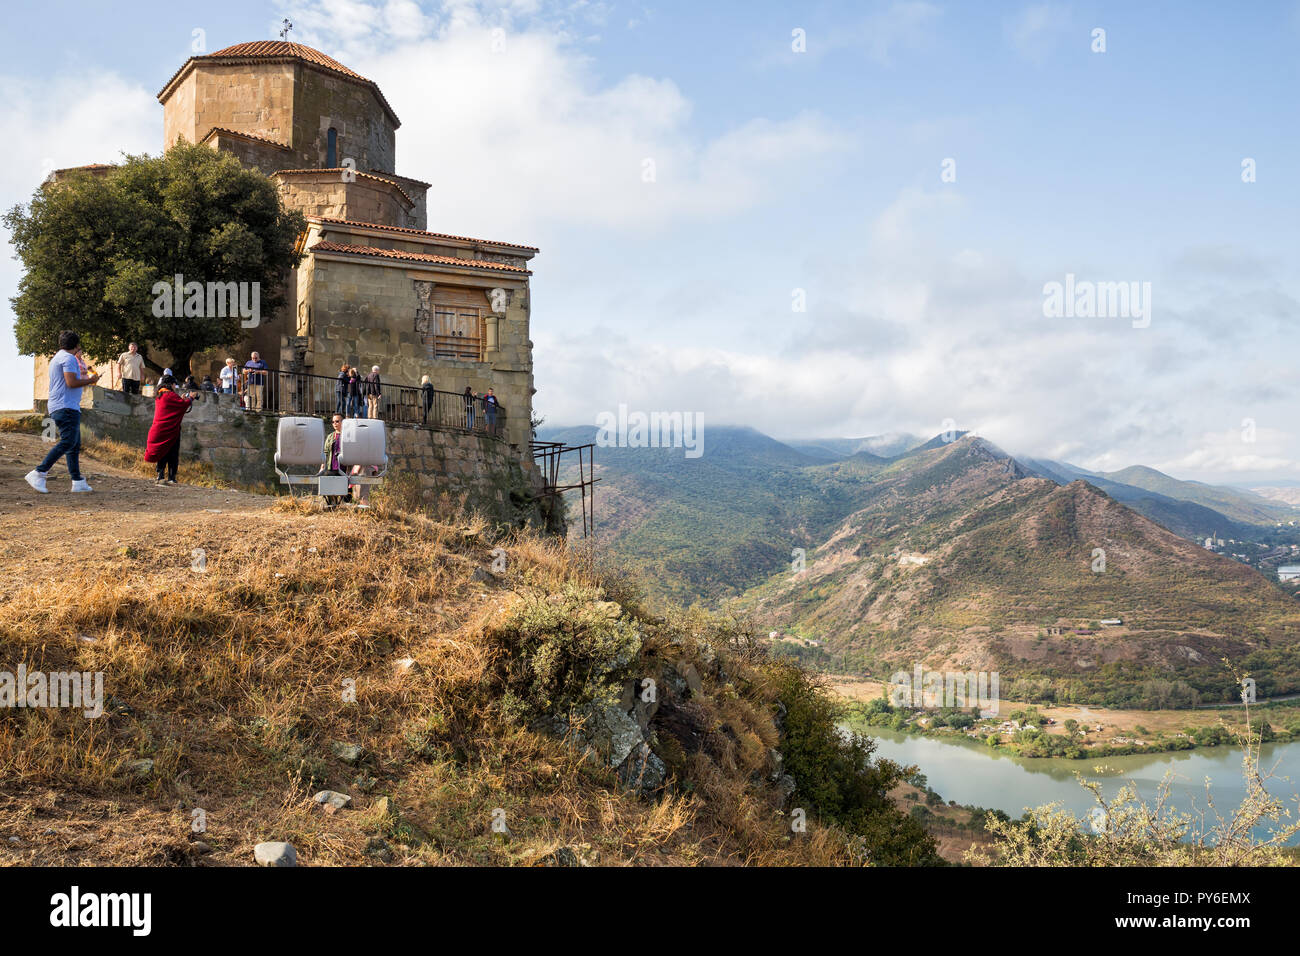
164 446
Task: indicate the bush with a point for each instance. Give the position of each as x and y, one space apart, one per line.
564 652
836 775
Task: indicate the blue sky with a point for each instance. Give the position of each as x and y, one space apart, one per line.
819 171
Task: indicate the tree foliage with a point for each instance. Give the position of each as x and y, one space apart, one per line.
93 248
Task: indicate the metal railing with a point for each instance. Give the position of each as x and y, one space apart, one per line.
300 393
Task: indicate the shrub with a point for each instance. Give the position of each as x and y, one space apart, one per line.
836 775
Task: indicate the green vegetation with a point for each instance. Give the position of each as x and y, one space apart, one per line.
93 247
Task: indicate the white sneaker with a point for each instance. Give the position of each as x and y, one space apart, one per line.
81 485
37 481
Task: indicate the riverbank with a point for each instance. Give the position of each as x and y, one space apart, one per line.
1070 731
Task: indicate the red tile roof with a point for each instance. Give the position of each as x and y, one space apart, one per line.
418 182
421 232
282 50
403 255
234 132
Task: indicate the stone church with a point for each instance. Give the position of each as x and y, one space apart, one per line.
375 287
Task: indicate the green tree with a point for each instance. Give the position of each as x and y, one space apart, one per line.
93 248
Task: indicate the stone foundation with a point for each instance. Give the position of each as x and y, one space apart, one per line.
489 476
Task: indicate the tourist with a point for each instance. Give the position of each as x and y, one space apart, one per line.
190 384
341 390
131 366
470 398
332 465
490 412
207 384
361 492
426 387
256 382
373 390
229 378
68 376
163 445
354 393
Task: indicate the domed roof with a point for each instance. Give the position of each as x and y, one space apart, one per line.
279 50
283 48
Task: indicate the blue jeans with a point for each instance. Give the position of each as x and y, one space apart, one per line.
341 403
69 422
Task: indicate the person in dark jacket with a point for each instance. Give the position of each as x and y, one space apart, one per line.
426 389
490 411
469 398
341 391
354 394
164 443
372 388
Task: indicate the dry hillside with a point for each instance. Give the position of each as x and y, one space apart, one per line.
376 655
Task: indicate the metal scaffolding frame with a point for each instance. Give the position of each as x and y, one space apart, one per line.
549 457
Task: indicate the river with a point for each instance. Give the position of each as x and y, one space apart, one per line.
973 774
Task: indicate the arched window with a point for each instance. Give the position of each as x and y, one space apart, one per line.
332 149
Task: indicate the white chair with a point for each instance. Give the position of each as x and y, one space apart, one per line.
300 442
364 443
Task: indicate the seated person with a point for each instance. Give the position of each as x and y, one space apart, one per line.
331 463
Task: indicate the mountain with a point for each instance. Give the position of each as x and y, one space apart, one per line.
1234 503
960 558
887 445
1182 517
707 528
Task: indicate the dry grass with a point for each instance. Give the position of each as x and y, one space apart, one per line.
235 680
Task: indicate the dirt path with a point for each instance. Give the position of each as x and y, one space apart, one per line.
37 531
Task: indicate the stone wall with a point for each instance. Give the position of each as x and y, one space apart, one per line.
487 475
364 313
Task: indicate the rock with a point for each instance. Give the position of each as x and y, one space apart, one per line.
404 665
330 798
485 577
348 753
200 847
611 733
378 847
691 676
141 768
786 786
364 783
642 772
275 854
578 854
777 761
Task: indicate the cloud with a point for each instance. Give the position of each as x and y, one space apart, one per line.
73 120
504 98
1034 31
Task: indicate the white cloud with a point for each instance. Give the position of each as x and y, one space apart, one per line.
1035 30
507 107
72 121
